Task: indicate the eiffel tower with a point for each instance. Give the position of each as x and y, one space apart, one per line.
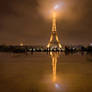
54 40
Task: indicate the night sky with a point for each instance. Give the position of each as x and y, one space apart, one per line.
29 21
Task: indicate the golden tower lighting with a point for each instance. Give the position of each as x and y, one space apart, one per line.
54 40
54 57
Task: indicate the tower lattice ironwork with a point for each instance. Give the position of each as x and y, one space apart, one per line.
54 40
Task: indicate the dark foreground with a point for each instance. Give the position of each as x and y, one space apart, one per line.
26 49
33 73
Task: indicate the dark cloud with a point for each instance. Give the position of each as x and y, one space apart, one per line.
25 20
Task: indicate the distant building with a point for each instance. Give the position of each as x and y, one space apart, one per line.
21 44
90 44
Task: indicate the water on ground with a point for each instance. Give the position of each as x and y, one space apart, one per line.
42 72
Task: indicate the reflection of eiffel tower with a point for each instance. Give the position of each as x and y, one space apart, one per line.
54 57
54 41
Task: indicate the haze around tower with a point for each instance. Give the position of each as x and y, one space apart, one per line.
29 21
65 9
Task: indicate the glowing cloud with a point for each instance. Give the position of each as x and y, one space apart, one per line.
56 7
65 9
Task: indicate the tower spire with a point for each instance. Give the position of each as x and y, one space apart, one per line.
54 41
54 22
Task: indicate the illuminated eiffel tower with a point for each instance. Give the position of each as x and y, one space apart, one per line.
54 41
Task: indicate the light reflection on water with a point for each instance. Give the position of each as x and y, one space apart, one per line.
54 56
55 80
43 72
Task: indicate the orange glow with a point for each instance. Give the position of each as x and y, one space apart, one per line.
21 44
54 56
54 14
54 38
